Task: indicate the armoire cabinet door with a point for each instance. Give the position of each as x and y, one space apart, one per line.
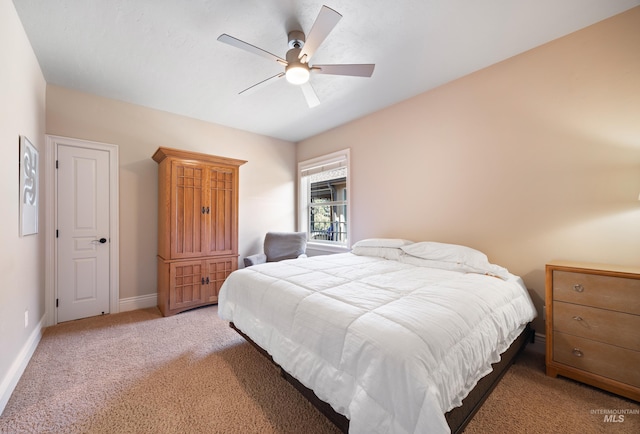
221 219
203 210
188 210
186 287
193 283
217 270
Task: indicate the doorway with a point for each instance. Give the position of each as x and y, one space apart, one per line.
82 218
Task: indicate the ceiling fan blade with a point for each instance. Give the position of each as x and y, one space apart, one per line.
359 70
325 22
250 48
310 95
261 84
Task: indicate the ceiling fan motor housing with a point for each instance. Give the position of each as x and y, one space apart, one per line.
296 39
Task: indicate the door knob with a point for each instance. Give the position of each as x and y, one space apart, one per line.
101 241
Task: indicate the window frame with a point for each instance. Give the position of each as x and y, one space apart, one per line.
304 199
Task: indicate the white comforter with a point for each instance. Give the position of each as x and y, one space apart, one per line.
391 346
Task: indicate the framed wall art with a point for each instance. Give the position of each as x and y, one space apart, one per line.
29 194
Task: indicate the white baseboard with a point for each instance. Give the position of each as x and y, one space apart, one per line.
139 302
10 381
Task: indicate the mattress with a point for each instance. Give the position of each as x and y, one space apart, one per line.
391 345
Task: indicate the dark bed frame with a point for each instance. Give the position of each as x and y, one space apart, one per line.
457 419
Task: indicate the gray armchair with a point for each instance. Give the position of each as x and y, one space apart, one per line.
279 246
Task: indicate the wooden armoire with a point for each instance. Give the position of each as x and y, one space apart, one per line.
197 227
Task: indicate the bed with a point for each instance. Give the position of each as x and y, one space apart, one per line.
390 337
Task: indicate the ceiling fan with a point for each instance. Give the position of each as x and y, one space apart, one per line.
297 69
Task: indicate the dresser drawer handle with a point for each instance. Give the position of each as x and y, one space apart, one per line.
577 352
578 288
577 318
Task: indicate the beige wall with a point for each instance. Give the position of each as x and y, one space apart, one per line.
22 105
533 159
267 180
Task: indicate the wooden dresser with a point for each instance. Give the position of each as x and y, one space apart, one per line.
593 325
197 227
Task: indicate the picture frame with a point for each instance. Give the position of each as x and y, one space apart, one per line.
29 163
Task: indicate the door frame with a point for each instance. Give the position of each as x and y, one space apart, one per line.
51 212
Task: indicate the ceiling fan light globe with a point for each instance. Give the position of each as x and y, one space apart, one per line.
297 74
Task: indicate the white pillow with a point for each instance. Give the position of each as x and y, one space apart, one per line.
381 252
467 259
382 242
445 252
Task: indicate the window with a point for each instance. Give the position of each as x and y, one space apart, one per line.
323 199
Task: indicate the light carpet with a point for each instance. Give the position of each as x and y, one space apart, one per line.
137 372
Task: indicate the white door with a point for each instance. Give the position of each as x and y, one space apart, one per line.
83 238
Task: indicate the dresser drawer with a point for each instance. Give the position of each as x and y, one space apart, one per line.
607 326
614 293
598 358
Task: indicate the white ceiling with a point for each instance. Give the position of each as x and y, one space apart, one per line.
164 54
